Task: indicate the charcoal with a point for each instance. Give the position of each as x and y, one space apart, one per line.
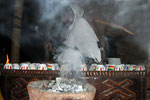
64 85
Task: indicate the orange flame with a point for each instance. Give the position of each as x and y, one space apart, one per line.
7 62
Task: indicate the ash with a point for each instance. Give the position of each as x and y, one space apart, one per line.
64 85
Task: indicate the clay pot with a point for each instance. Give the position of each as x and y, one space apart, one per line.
39 94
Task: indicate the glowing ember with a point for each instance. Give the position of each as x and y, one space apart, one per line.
7 62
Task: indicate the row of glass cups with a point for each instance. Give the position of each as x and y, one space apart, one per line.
32 66
112 67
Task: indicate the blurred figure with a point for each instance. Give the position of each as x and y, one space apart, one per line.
74 32
82 37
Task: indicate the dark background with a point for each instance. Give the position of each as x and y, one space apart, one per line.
32 43
34 38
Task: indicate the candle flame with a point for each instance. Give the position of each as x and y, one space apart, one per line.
7 61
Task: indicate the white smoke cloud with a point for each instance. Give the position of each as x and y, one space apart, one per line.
70 59
50 8
131 13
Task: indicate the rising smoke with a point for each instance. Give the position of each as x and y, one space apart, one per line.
53 18
73 43
133 14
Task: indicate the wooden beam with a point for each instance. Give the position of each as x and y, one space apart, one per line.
114 25
16 33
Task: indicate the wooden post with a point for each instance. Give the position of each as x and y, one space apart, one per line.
16 33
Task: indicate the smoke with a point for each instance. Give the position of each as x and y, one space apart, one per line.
70 61
131 14
134 14
54 19
72 44
6 11
51 20
51 8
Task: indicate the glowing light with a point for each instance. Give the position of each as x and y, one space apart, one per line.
7 61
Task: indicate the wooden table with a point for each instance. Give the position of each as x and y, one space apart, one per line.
110 85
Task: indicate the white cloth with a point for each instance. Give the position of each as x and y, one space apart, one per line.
82 36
